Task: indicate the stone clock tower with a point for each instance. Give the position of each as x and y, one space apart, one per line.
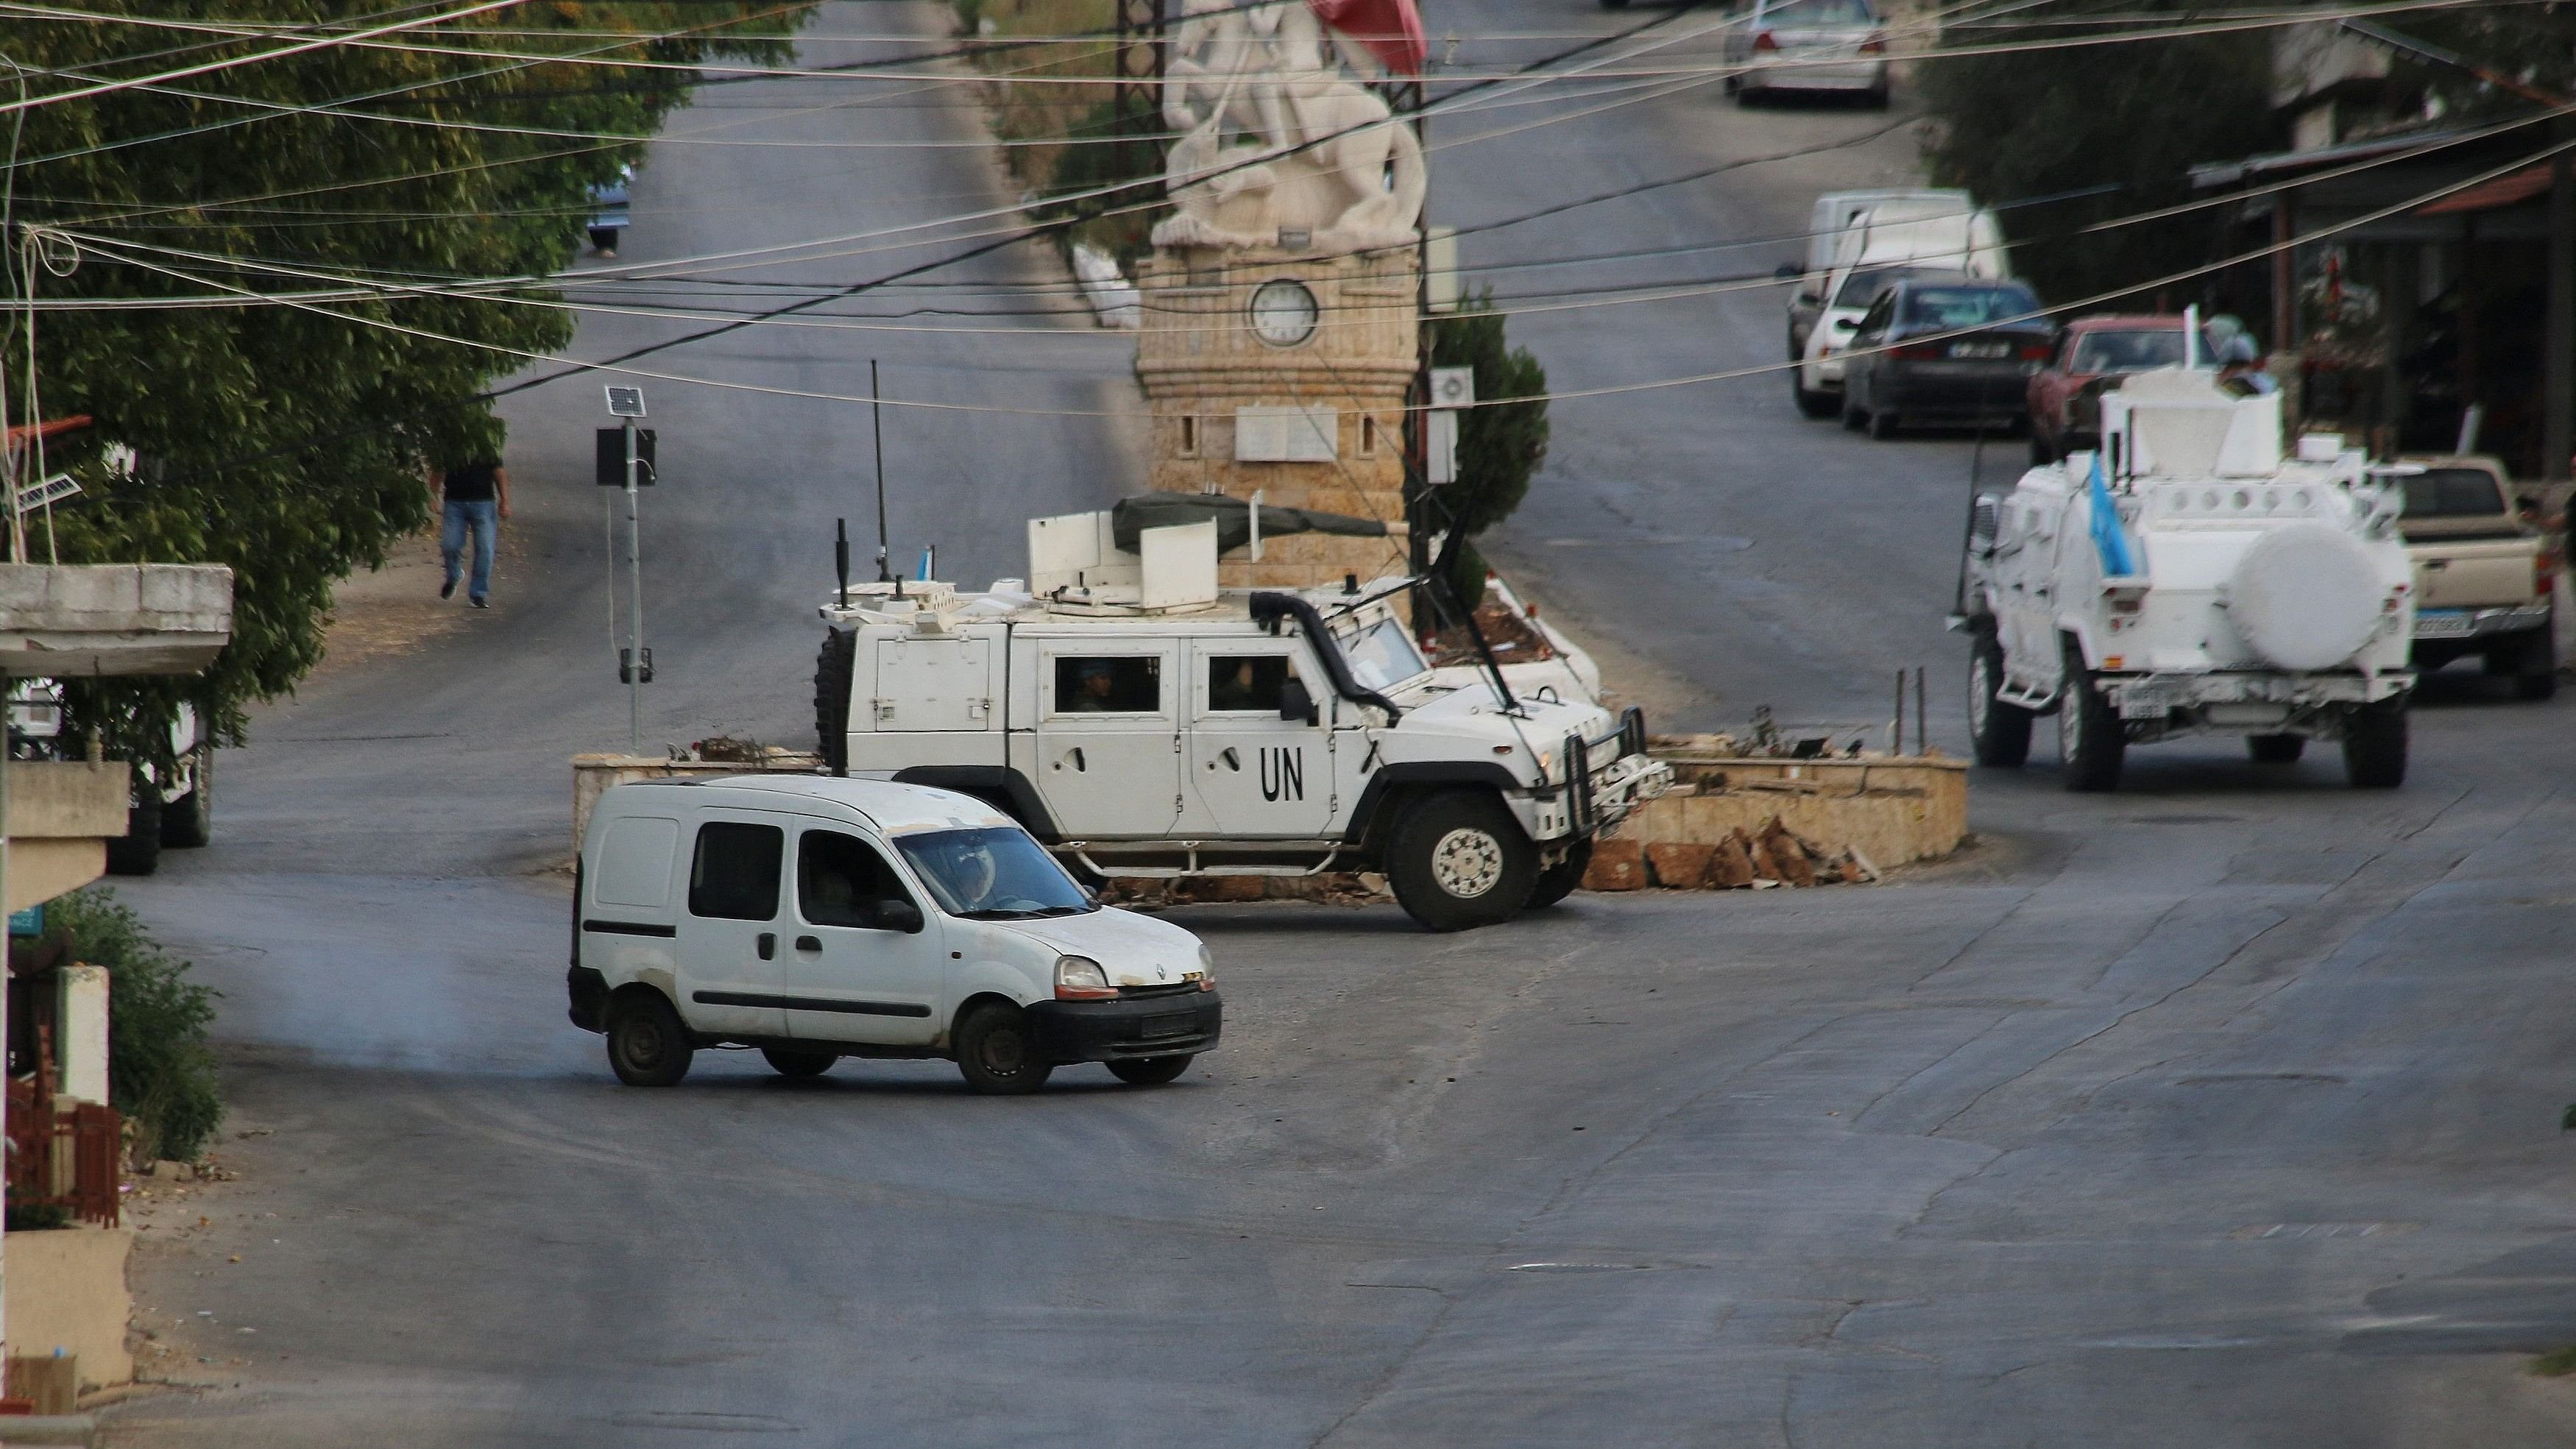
1284 373
1281 304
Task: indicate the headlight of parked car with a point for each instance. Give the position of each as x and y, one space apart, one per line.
1079 978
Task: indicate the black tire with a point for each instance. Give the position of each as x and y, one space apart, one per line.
1998 732
1149 1071
2090 741
997 1054
1458 860
1875 98
647 1046
188 822
2532 664
1559 880
799 1062
2275 749
2041 455
1810 404
1882 423
139 851
833 667
2374 745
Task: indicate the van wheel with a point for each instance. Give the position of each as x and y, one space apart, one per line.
2374 745
647 1046
1149 1071
189 821
1559 880
1999 732
799 1061
139 852
1458 860
2275 749
1810 403
997 1054
833 668
2090 741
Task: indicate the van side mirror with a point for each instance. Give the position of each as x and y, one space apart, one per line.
1295 703
1786 272
1810 299
898 915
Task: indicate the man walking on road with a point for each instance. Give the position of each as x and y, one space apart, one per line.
475 497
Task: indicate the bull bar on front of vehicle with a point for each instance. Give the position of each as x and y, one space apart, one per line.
1597 798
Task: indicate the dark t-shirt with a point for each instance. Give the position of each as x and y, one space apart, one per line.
469 484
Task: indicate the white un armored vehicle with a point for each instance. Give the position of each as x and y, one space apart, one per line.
2187 579
1140 721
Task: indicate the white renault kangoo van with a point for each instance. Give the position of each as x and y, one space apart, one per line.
817 918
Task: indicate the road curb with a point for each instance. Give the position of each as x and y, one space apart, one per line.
49 1429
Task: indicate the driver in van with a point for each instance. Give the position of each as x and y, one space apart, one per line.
971 873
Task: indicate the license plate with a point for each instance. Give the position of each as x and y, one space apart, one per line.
1979 349
2441 624
2146 701
1179 1024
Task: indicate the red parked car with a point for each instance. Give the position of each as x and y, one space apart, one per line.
2092 353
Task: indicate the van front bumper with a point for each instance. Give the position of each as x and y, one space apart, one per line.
1183 1024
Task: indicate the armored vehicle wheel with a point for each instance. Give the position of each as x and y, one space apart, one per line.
189 821
2374 746
139 852
647 1046
1559 880
997 1054
2090 741
1458 860
2275 749
1149 1071
1999 732
799 1061
1813 404
832 671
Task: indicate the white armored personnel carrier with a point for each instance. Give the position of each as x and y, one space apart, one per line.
1141 721
2187 579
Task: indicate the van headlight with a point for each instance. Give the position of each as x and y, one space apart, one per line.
1079 978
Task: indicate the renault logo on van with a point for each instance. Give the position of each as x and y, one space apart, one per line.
1283 772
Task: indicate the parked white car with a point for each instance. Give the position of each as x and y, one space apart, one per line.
1815 47
1836 214
1896 240
817 918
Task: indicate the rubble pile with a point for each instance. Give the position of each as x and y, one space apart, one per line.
1772 855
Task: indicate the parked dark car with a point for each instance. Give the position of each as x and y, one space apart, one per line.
2094 353
1955 350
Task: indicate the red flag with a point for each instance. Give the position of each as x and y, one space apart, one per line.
1391 30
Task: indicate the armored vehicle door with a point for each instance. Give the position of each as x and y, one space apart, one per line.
941 683
1252 771
1108 735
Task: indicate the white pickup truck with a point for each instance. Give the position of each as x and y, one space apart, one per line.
2485 581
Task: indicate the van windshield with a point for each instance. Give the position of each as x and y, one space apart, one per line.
993 873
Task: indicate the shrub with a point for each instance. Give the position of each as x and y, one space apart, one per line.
160 1066
1499 447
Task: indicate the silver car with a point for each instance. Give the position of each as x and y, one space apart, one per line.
1817 47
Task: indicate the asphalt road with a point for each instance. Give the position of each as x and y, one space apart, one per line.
2221 1111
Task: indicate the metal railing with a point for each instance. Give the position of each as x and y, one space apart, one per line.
61 1153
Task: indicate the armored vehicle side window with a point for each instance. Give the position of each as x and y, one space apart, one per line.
1112 684
841 880
1246 683
735 874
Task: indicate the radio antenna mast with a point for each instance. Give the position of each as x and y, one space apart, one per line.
876 425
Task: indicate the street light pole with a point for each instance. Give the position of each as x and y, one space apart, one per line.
635 596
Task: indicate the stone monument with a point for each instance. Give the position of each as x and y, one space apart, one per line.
1282 301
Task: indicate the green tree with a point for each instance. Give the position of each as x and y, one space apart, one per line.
2016 126
290 443
1501 442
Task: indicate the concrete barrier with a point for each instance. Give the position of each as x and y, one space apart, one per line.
67 1292
1886 810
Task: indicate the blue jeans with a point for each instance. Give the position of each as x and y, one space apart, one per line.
484 521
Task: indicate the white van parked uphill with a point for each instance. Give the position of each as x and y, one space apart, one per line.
818 918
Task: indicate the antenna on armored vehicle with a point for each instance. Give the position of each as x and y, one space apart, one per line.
841 556
876 425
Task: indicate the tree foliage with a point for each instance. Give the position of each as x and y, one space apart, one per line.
2015 126
1500 447
160 1064
287 442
